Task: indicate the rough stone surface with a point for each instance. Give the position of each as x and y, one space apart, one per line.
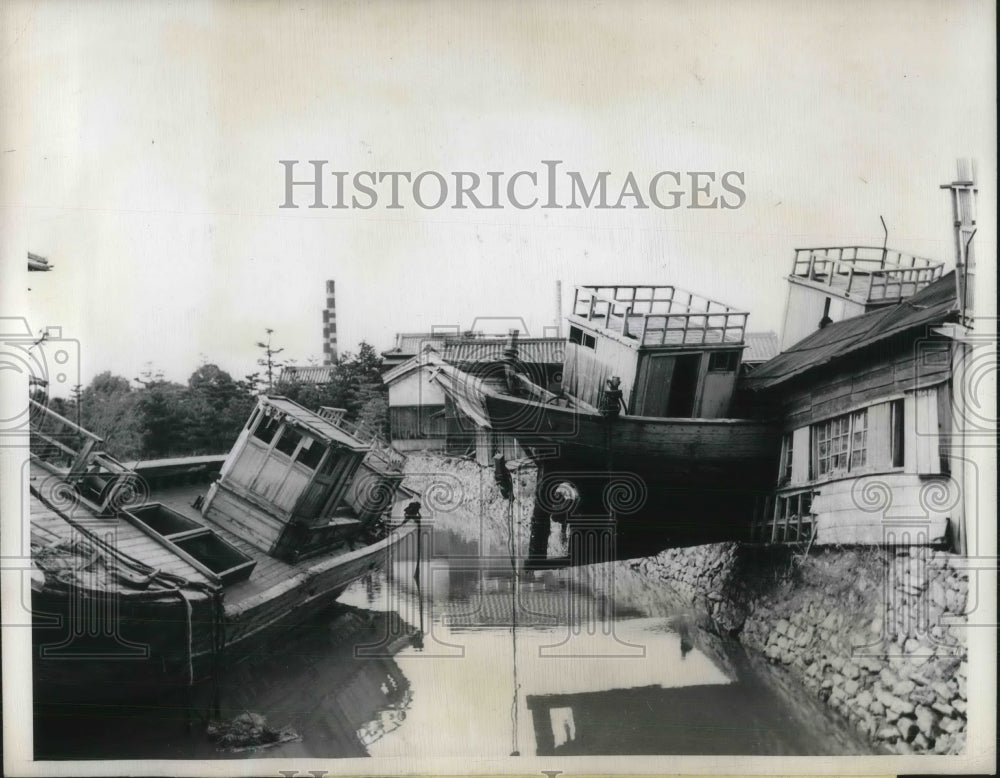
827 621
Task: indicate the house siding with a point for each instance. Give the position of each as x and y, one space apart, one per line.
870 503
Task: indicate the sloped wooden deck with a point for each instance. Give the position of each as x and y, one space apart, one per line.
268 571
48 528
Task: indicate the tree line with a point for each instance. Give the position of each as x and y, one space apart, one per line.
151 418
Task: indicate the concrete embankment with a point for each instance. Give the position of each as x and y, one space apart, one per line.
877 634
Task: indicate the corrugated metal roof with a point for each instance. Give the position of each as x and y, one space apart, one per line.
760 347
539 351
935 304
308 374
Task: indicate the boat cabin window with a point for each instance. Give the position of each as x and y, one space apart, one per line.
311 453
578 336
288 441
266 429
722 362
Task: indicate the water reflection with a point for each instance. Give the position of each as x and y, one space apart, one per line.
470 659
580 661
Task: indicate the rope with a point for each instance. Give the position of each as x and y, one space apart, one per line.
190 637
169 582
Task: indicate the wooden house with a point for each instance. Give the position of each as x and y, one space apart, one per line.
865 408
677 354
416 407
282 485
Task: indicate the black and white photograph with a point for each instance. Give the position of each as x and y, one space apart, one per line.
535 388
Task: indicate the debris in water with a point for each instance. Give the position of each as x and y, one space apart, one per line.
248 731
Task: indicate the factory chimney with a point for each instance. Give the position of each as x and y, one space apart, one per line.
330 326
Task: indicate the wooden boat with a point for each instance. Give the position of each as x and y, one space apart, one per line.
639 428
136 591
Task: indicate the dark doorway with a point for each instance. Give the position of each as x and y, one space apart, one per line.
683 386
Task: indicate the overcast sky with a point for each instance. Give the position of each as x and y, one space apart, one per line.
144 140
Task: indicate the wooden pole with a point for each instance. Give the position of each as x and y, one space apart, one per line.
541 521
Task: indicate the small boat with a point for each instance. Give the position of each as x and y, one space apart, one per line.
144 582
638 433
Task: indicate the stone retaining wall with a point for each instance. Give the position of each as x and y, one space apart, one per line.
875 633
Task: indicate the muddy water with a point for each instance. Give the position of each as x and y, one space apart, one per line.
468 659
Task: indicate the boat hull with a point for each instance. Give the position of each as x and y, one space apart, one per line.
142 645
659 482
685 446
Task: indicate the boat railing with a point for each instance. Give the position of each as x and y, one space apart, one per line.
331 414
78 456
659 315
382 454
866 273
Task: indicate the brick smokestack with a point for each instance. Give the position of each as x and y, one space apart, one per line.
330 326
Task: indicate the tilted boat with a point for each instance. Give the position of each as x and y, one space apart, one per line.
639 429
143 582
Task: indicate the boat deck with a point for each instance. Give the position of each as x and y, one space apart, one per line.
267 573
49 529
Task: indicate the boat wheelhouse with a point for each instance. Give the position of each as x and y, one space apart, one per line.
677 354
284 479
830 284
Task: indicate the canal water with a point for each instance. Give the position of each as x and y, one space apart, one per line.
468 659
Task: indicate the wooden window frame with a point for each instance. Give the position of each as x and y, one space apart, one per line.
787 517
834 445
728 359
785 467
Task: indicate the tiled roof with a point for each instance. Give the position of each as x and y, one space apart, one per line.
936 304
409 344
404 368
308 374
539 351
760 347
